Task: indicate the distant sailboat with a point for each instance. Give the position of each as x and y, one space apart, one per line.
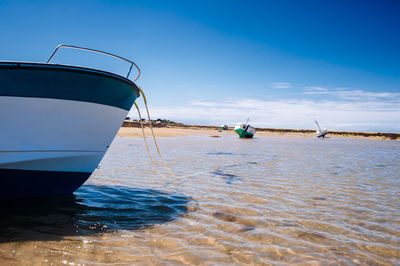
321 132
244 130
224 127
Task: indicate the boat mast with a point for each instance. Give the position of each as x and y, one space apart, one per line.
317 125
247 125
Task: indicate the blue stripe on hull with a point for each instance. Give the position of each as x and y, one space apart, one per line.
66 83
28 183
323 135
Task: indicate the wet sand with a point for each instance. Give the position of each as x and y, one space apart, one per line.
165 132
171 132
212 131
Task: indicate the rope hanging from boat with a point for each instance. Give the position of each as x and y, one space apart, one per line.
177 179
158 150
147 146
154 138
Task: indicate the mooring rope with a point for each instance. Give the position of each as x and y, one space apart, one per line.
299 222
147 146
158 150
152 133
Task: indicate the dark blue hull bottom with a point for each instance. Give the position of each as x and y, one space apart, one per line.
28 183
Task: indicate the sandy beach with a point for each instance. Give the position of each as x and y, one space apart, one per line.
171 132
165 132
133 130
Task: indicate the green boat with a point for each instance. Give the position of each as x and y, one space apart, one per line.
224 127
244 130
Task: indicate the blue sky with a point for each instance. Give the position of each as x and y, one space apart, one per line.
280 63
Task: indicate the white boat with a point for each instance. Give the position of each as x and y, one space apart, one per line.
321 132
244 130
57 122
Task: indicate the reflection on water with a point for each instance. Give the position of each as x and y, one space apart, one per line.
268 200
230 178
91 210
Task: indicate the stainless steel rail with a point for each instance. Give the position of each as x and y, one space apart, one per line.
100 52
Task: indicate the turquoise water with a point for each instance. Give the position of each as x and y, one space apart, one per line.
267 200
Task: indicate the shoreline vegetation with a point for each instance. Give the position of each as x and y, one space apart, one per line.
166 128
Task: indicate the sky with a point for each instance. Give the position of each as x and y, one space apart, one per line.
280 63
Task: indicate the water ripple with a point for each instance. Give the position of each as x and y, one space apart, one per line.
273 200
91 210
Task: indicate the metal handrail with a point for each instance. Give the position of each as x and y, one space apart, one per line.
100 52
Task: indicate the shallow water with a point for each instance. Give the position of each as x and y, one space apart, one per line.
267 200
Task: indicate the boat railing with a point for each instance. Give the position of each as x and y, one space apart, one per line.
100 52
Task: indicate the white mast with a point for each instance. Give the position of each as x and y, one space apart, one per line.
317 125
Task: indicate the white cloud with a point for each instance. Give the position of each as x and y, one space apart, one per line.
352 94
315 90
280 85
293 113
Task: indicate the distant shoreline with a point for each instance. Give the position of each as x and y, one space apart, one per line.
216 130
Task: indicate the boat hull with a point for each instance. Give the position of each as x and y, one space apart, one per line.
322 133
31 183
243 134
53 134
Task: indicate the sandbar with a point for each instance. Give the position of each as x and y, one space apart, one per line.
181 130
